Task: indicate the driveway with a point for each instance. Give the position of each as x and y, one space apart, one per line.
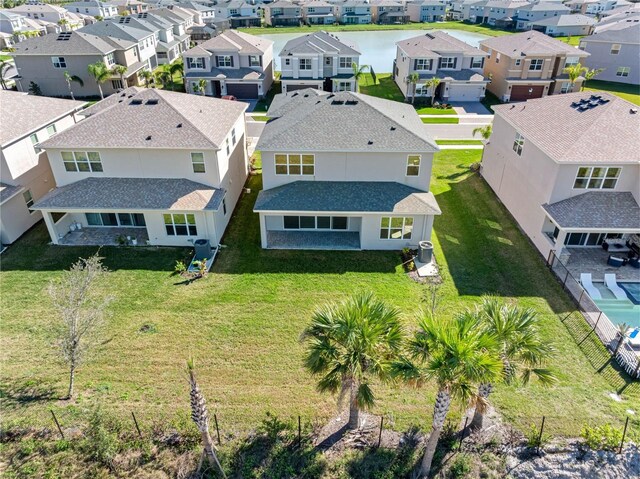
450 131
470 108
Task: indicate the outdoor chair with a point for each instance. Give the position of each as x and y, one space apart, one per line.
616 261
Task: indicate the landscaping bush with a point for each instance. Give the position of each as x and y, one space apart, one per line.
460 467
605 437
533 437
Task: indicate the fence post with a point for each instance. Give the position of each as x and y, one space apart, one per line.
464 430
624 433
580 298
135 421
564 283
215 418
540 437
550 259
597 321
299 432
57 423
380 433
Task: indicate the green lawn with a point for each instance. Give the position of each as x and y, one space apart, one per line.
458 142
243 321
427 110
384 87
443 119
4 58
573 40
260 118
628 92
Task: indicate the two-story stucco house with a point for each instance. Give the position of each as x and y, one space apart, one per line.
352 12
388 12
499 13
538 11
617 51
426 10
529 65
239 13
52 14
171 175
565 25
318 12
318 60
437 54
567 168
282 13
26 174
328 185
95 8
15 27
232 63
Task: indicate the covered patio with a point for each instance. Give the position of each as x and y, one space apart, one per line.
105 237
320 240
594 261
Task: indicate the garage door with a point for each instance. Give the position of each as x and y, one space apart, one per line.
299 87
242 90
521 92
464 92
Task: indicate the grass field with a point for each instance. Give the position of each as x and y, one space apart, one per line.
628 92
384 87
443 119
427 110
458 142
243 321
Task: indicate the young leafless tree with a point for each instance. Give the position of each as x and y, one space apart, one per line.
81 309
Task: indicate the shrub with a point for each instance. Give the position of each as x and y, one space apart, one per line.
604 437
180 267
460 467
533 437
102 444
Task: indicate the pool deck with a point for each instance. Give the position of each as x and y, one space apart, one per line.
594 261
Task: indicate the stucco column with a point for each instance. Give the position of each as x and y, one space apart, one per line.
263 230
559 246
48 220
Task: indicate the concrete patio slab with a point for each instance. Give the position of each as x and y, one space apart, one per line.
317 240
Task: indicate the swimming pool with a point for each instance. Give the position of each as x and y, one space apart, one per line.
620 310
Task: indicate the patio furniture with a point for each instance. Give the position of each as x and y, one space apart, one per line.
634 338
635 262
612 284
587 284
616 261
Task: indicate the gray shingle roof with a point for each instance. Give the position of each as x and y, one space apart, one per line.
230 73
308 120
607 133
622 33
78 43
130 194
319 42
23 114
434 43
178 120
232 40
596 209
8 191
567 20
348 196
530 43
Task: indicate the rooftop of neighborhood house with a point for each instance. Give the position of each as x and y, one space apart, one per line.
116 30
620 33
557 126
232 40
319 42
23 114
596 209
343 196
567 20
66 43
242 73
530 43
433 43
126 194
544 7
281 4
309 120
8 191
154 119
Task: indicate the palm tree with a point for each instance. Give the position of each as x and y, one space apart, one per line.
623 330
589 74
162 76
520 348
349 344
359 72
457 354
146 75
202 86
63 22
432 84
120 70
4 68
177 67
574 71
412 81
200 416
72 78
484 132
100 73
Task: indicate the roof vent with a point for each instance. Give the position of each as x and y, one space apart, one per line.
120 101
136 101
179 125
351 102
152 101
148 138
393 128
337 102
633 111
330 96
370 142
306 95
295 94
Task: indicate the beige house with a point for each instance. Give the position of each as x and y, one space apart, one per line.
529 65
328 185
26 174
170 176
567 168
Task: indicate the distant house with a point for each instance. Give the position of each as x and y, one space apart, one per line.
232 63
438 54
282 13
26 174
567 184
95 8
565 25
499 13
529 65
130 7
318 60
388 12
617 51
239 13
426 10
595 7
353 12
160 167
533 12
328 185
318 12
52 14
19 27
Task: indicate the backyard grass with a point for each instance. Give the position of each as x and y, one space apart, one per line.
427 110
572 40
442 119
628 92
260 118
458 142
384 87
4 58
242 323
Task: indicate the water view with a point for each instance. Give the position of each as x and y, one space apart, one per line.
378 48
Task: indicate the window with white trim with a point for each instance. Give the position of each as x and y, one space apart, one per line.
518 144
396 227
295 164
597 178
345 62
448 62
59 62
84 161
287 61
566 86
570 61
51 129
344 86
117 84
110 59
28 199
196 62
536 64
180 224
305 64
233 136
116 219
623 71
34 142
315 222
254 61
615 48
518 62
422 64
225 61
413 165
476 62
197 160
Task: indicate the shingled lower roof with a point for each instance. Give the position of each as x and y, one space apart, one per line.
611 210
348 196
133 194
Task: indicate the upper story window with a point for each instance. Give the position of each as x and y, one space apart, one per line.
396 227
345 62
224 61
51 129
28 199
228 147
305 64
615 48
287 61
295 164
497 57
570 61
233 136
422 64
518 144
518 62
34 142
110 59
349 9
254 61
197 160
59 62
448 62
536 64
84 161
311 9
623 71
595 178
195 62
477 62
413 165
233 11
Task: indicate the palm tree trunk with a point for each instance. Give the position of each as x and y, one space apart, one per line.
210 450
443 402
72 376
354 412
478 416
100 90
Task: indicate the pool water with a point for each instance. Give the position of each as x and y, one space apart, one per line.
620 310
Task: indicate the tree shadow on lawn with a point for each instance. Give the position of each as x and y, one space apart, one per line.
24 391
